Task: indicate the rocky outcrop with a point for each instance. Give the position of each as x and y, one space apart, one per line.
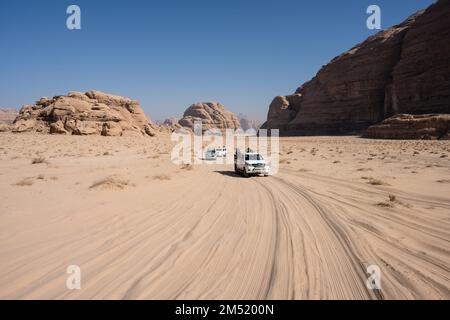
90 113
404 69
211 114
406 126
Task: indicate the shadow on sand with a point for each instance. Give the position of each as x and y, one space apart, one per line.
230 174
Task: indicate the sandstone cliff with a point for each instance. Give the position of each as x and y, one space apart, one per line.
211 114
90 113
404 69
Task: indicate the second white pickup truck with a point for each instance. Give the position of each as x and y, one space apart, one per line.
250 163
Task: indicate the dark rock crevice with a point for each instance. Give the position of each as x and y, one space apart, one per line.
390 105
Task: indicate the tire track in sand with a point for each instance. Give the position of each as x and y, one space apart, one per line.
333 281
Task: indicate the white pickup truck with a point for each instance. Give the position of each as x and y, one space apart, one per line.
250 163
214 153
221 152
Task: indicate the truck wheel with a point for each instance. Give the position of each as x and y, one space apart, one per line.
246 173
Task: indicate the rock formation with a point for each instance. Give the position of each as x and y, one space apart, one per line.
211 114
404 69
404 126
90 113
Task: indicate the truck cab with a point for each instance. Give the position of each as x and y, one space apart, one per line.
250 163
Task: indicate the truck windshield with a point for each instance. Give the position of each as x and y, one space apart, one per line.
252 157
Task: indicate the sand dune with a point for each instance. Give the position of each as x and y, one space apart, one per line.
141 227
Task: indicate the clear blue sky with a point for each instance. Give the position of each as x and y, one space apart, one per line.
169 54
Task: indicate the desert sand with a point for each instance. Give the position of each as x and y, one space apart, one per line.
141 227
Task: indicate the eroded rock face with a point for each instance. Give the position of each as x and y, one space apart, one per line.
404 69
406 126
90 113
421 78
211 114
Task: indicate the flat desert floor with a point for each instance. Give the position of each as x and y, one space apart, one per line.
140 227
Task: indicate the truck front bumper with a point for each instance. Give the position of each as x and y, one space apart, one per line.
258 170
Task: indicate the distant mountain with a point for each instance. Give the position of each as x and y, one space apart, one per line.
247 123
7 115
170 121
